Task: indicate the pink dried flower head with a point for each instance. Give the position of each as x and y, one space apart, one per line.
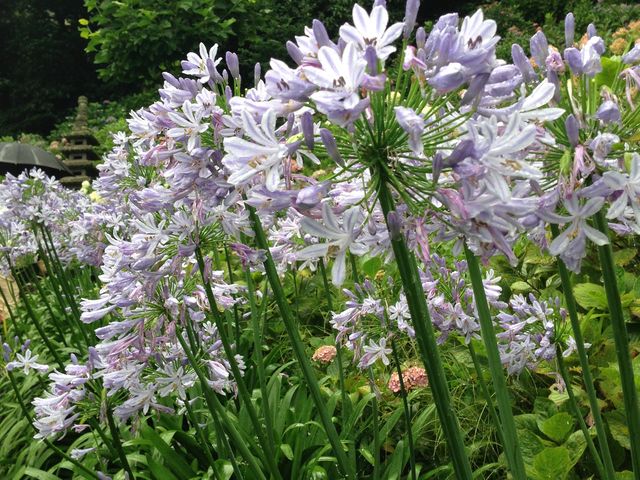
412 377
324 354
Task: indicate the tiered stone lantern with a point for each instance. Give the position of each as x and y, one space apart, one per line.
78 151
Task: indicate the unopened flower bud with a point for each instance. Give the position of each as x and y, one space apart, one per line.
521 61
421 37
306 124
256 73
569 29
410 15
573 129
539 48
330 144
320 33
233 65
294 52
394 225
6 352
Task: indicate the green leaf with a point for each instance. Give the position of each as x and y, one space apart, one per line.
287 450
520 287
39 474
558 427
224 469
610 68
171 458
551 464
624 256
618 427
590 295
368 456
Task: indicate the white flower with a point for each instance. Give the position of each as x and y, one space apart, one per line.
201 65
342 239
371 30
189 124
264 153
628 186
27 362
375 351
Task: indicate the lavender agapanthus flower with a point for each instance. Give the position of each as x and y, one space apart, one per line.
342 239
570 245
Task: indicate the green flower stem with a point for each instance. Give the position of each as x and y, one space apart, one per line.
57 271
621 339
36 320
346 403
115 435
259 359
36 283
407 411
243 391
507 423
376 427
487 394
583 357
85 471
354 268
12 315
95 426
219 413
298 347
573 403
200 434
426 339
236 317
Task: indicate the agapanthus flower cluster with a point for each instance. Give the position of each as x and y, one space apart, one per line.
314 148
32 206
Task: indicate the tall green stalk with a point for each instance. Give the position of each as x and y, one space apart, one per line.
219 413
298 348
259 358
243 392
85 471
573 403
117 443
407 411
621 339
36 320
425 336
507 423
583 358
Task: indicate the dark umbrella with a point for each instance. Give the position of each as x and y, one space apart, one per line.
16 157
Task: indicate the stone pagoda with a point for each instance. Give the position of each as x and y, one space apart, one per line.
77 148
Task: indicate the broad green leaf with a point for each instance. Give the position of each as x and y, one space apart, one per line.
624 256
558 427
551 464
618 427
590 295
610 68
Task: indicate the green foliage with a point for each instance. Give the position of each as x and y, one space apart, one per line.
134 39
43 66
518 20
